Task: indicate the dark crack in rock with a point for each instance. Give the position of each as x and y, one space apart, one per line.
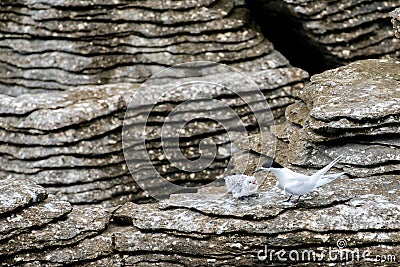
329 33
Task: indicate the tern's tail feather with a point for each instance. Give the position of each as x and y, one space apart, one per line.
326 168
328 178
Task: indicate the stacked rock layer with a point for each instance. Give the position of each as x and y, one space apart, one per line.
206 228
62 129
32 220
342 31
351 111
58 45
70 142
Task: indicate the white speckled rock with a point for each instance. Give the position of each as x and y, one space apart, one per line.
65 90
216 225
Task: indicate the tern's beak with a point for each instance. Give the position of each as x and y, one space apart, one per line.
257 170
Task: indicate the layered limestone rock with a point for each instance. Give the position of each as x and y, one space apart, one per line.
52 45
71 69
64 147
211 228
70 142
33 222
351 111
341 31
341 222
357 218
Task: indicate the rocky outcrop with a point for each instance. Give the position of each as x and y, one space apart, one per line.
34 222
211 228
59 45
70 142
341 31
70 70
208 228
347 221
64 147
351 111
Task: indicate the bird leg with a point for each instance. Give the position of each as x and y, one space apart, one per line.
297 200
289 198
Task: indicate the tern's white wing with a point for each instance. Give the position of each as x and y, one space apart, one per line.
298 188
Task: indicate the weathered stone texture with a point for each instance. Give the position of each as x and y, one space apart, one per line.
339 31
70 70
351 111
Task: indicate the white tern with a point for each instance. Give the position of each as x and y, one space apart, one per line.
297 184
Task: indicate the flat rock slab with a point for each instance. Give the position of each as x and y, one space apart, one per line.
97 147
71 176
331 95
34 216
211 223
63 117
59 161
19 193
79 224
185 4
26 104
209 227
85 131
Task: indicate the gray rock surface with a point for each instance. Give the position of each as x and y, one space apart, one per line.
63 148
16 193
70 70
209 228
44 224
351 111
71 142
341 31
54 45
